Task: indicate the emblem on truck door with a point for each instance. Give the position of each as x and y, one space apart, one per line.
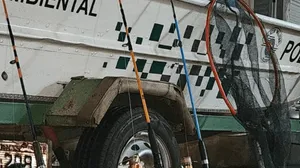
275 38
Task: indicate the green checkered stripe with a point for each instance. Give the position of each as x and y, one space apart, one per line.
201 76
198 44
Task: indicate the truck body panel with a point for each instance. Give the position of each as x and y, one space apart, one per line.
62 39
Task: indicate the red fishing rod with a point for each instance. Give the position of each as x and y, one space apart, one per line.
154 148
210 55
36 144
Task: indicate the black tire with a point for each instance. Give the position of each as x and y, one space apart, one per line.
82 151
111 138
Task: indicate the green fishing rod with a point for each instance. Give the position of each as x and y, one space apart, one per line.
153 143
36 144
201 145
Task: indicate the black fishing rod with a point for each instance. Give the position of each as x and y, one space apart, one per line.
201 145
153 144
36 144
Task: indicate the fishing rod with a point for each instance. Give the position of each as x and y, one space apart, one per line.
36 144
153 144
201 145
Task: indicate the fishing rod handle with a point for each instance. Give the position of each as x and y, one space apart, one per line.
204 157
154 148
38 154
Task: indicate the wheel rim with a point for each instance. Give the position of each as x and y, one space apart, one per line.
139 145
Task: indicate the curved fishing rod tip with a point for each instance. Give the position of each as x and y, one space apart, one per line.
4 75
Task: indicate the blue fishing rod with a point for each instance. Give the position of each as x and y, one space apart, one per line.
201 145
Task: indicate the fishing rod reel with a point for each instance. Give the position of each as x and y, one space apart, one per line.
135 162
186 162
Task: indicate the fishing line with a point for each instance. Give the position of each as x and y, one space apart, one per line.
151 133
130 104
36 144
201 145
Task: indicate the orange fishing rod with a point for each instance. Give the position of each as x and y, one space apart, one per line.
36 144
210 55
152 139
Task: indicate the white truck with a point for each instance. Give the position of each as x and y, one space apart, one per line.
80 79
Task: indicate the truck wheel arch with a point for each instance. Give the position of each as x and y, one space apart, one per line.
165 98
